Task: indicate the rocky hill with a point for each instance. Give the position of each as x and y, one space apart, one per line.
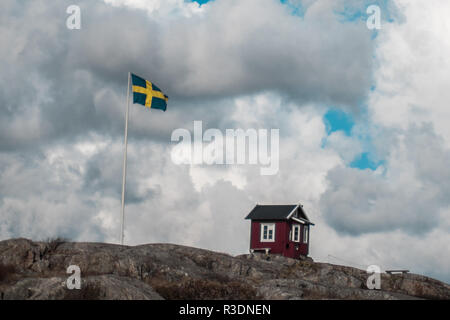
37 270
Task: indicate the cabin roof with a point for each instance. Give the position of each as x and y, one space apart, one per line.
276 212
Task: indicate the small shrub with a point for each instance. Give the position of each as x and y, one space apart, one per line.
90 291
54 243
6 272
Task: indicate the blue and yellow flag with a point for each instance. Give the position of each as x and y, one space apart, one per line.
148 94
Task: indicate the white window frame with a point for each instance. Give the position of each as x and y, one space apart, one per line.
305 234
296 226
270 226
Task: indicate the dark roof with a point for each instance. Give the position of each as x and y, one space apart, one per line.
270 212
277 212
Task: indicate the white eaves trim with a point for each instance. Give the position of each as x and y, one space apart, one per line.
292 212
298 220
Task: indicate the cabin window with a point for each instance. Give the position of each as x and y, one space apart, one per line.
296 233
305 234
267 232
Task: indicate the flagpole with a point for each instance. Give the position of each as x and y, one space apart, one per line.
124 173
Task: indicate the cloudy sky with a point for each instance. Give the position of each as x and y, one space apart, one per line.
363 115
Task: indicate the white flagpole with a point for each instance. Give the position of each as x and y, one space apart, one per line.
125 163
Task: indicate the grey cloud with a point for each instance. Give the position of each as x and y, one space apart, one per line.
249 46
430 158
227 218
51 76
39 199
408 197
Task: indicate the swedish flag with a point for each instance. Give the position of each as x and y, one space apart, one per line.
148 94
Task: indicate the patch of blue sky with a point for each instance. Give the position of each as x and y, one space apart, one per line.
295 6
365 161
200 2
359 13
348 13
339 120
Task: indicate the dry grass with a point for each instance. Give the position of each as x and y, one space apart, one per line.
316 295
7 272
203 289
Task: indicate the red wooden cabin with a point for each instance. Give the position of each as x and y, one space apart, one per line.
280 229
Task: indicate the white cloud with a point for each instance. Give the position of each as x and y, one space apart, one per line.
412 78
161 8
347 147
